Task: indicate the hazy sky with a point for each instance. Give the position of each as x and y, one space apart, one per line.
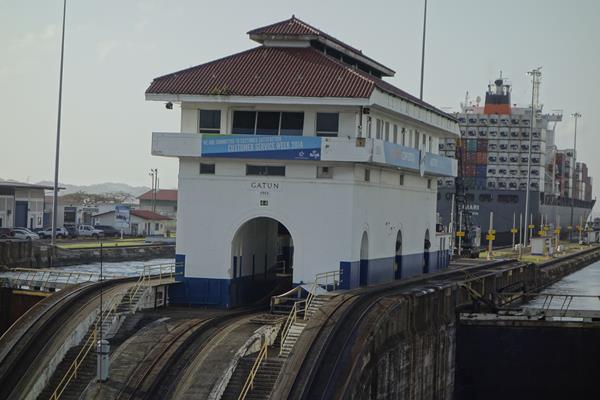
115 48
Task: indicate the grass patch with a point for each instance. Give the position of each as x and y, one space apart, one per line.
108 243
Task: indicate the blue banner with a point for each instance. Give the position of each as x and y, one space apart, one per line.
400 156
439 165
262 146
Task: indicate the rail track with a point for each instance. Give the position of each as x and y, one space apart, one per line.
156 376
323 372
30 334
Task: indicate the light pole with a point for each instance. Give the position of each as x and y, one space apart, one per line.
535 81
423 49
575 115
55 192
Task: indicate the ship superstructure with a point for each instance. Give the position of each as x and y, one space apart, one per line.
495 152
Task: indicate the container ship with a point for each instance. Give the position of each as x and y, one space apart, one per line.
493 154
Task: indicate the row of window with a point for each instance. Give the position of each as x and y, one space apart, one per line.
327 124
389 132
324 172
514 134
512 159
268 123
494 120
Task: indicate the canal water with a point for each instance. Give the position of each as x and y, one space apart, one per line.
586 281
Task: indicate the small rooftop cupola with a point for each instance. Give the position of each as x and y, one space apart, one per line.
497 98
296 33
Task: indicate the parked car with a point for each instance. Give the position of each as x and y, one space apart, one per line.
89 231
6 233
25 234
72 229
60 233
109 231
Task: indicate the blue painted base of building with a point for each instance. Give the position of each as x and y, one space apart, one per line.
354 274
223 293
226 293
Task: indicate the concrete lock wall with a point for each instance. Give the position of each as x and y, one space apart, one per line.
408 351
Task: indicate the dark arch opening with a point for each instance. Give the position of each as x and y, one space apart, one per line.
364 260
398 257
426 247
262 261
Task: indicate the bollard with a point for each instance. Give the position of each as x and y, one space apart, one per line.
103 351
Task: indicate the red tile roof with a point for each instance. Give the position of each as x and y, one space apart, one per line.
278 71
292 27
150 215
161 194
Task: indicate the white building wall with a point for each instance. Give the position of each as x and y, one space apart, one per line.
325 217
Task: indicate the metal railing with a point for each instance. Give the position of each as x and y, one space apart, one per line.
85 349
249 384
299 307
323 279
153 274
45 278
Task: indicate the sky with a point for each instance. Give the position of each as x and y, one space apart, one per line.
113 50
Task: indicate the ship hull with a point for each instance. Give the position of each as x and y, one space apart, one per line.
504 212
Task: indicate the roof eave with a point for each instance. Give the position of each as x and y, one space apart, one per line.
385 71
194 98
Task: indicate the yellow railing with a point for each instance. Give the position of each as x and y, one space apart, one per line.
323 279
298 308
86 348
150 274
249 385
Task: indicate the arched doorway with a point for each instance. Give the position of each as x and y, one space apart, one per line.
398 257
364 260
262 260
426 247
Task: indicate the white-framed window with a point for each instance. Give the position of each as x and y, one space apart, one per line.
387 131
403 136
207 169
267 123
265 170
430 143
401 180
209 121
369 126
328 124
325 172
378 129
367 175
395 133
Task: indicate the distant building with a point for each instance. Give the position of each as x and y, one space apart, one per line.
22 204
141 223
165 202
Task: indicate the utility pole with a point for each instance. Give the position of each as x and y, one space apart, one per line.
60 84
575 115
535 82
423 49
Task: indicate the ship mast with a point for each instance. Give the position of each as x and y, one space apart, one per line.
536 76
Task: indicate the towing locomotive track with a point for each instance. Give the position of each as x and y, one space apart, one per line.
160 375
322 373
33 331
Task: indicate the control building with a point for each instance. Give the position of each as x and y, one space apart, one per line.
297 158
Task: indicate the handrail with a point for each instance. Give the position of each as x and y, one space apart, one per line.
249 384
145 276
292 317
87 347
322 276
